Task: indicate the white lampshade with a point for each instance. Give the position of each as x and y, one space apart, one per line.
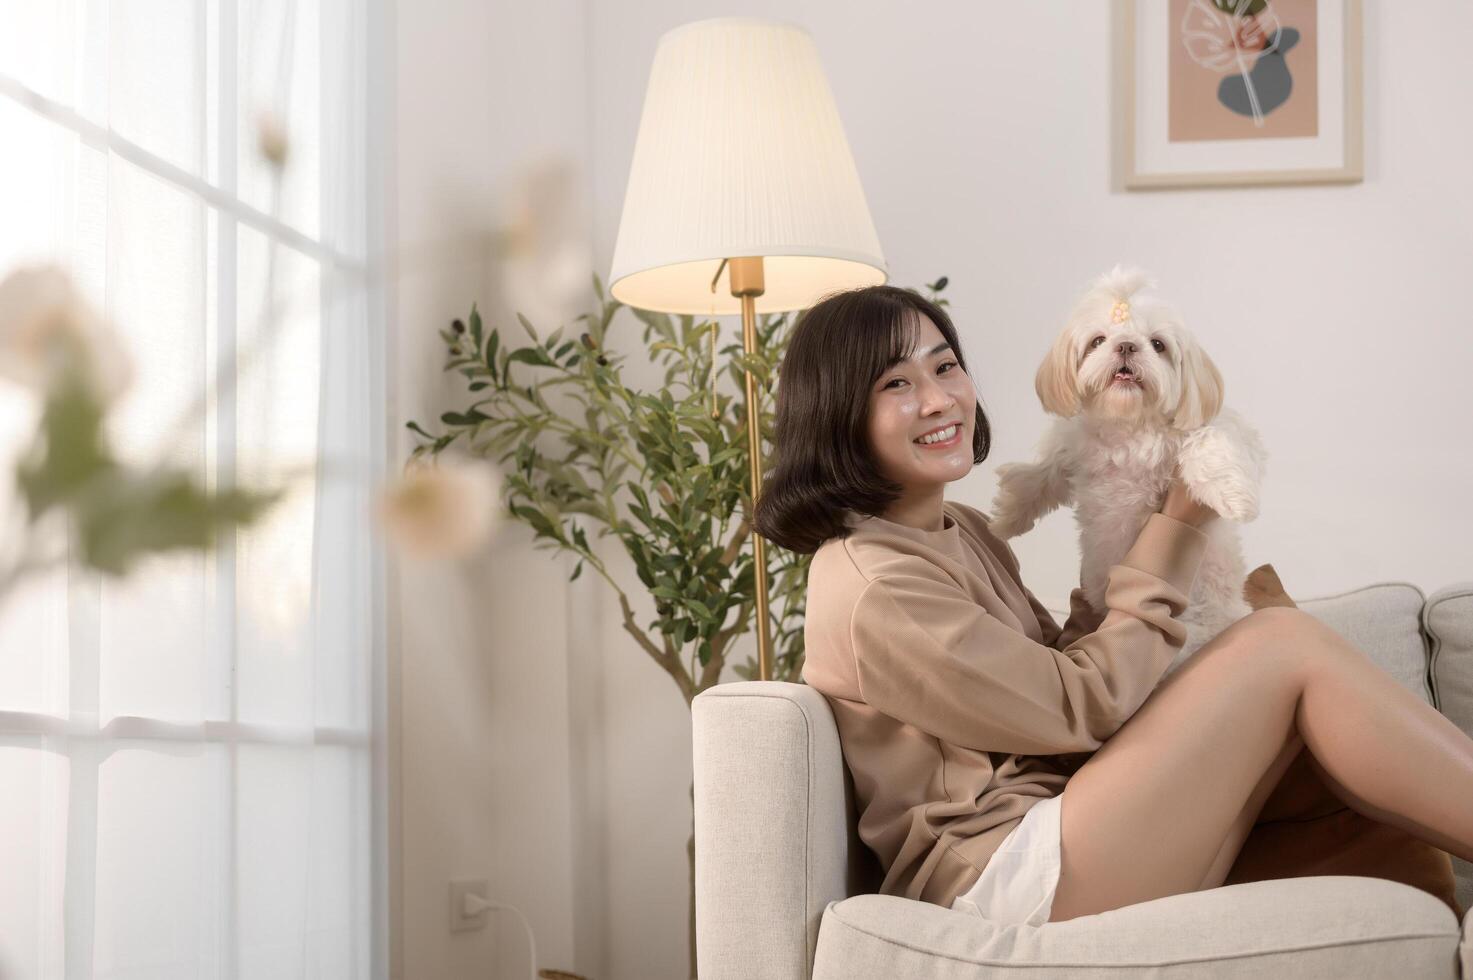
741 153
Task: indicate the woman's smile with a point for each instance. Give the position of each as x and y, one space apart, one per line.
950 436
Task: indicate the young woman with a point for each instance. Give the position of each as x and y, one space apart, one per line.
1004 765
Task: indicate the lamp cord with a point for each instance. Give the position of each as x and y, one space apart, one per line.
531 939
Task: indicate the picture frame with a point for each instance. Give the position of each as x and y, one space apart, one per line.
1228 93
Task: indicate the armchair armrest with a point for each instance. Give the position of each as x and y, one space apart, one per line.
771 829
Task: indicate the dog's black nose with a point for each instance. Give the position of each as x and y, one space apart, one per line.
1126 347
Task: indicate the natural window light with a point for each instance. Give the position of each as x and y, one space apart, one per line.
187 779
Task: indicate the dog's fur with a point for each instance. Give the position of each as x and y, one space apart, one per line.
1112 451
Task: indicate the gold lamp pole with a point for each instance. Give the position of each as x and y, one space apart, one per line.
746 284
741 163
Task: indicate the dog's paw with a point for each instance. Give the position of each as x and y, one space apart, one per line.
1014 509
1005 524
1224 471
1238 502
1008 519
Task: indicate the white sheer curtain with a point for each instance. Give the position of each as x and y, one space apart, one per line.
188 781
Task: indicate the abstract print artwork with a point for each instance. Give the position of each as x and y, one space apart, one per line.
1228 92
1243 69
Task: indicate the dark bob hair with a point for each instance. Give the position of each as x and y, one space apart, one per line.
822 463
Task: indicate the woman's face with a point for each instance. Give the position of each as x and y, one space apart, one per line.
915 397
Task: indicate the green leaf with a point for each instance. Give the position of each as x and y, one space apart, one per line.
491 351
701 610
659 322
69 452
472 417
414 426
531 355
639 493
643 572
576 572
136 516
730 452
476 326
528 327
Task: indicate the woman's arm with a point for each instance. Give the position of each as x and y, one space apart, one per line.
926 653
1181 506
1084 618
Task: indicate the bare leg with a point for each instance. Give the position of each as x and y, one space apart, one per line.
1165 805
1243 826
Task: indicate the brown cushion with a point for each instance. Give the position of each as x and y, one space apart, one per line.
1304 829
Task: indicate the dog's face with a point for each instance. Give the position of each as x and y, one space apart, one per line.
1125 356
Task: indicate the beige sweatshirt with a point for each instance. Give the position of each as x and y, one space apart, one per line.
960 702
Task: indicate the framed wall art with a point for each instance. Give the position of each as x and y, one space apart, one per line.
1216 93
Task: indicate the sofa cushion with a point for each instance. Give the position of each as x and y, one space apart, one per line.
1385 622
1448 620
1340 927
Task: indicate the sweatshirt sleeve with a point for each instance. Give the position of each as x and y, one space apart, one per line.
929 655
1083 618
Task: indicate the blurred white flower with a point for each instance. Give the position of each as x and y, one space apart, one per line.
47 330
442 510
546 262
271 137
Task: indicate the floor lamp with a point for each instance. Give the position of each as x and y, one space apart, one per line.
741 172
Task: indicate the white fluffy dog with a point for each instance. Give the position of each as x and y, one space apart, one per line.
1136 396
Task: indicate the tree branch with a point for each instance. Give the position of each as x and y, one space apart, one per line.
712 673
734 546
665 656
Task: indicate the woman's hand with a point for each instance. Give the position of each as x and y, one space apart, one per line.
1180 506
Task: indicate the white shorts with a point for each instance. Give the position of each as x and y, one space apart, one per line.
1017 886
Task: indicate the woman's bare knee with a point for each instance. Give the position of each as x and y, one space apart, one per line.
1284 635
1284 623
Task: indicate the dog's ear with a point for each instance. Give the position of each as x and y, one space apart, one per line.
1057 381
1201 389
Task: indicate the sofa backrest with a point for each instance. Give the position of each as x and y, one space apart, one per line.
1385 622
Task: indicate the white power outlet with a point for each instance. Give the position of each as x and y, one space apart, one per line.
469 904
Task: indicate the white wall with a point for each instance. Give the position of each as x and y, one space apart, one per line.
486 712
982 135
